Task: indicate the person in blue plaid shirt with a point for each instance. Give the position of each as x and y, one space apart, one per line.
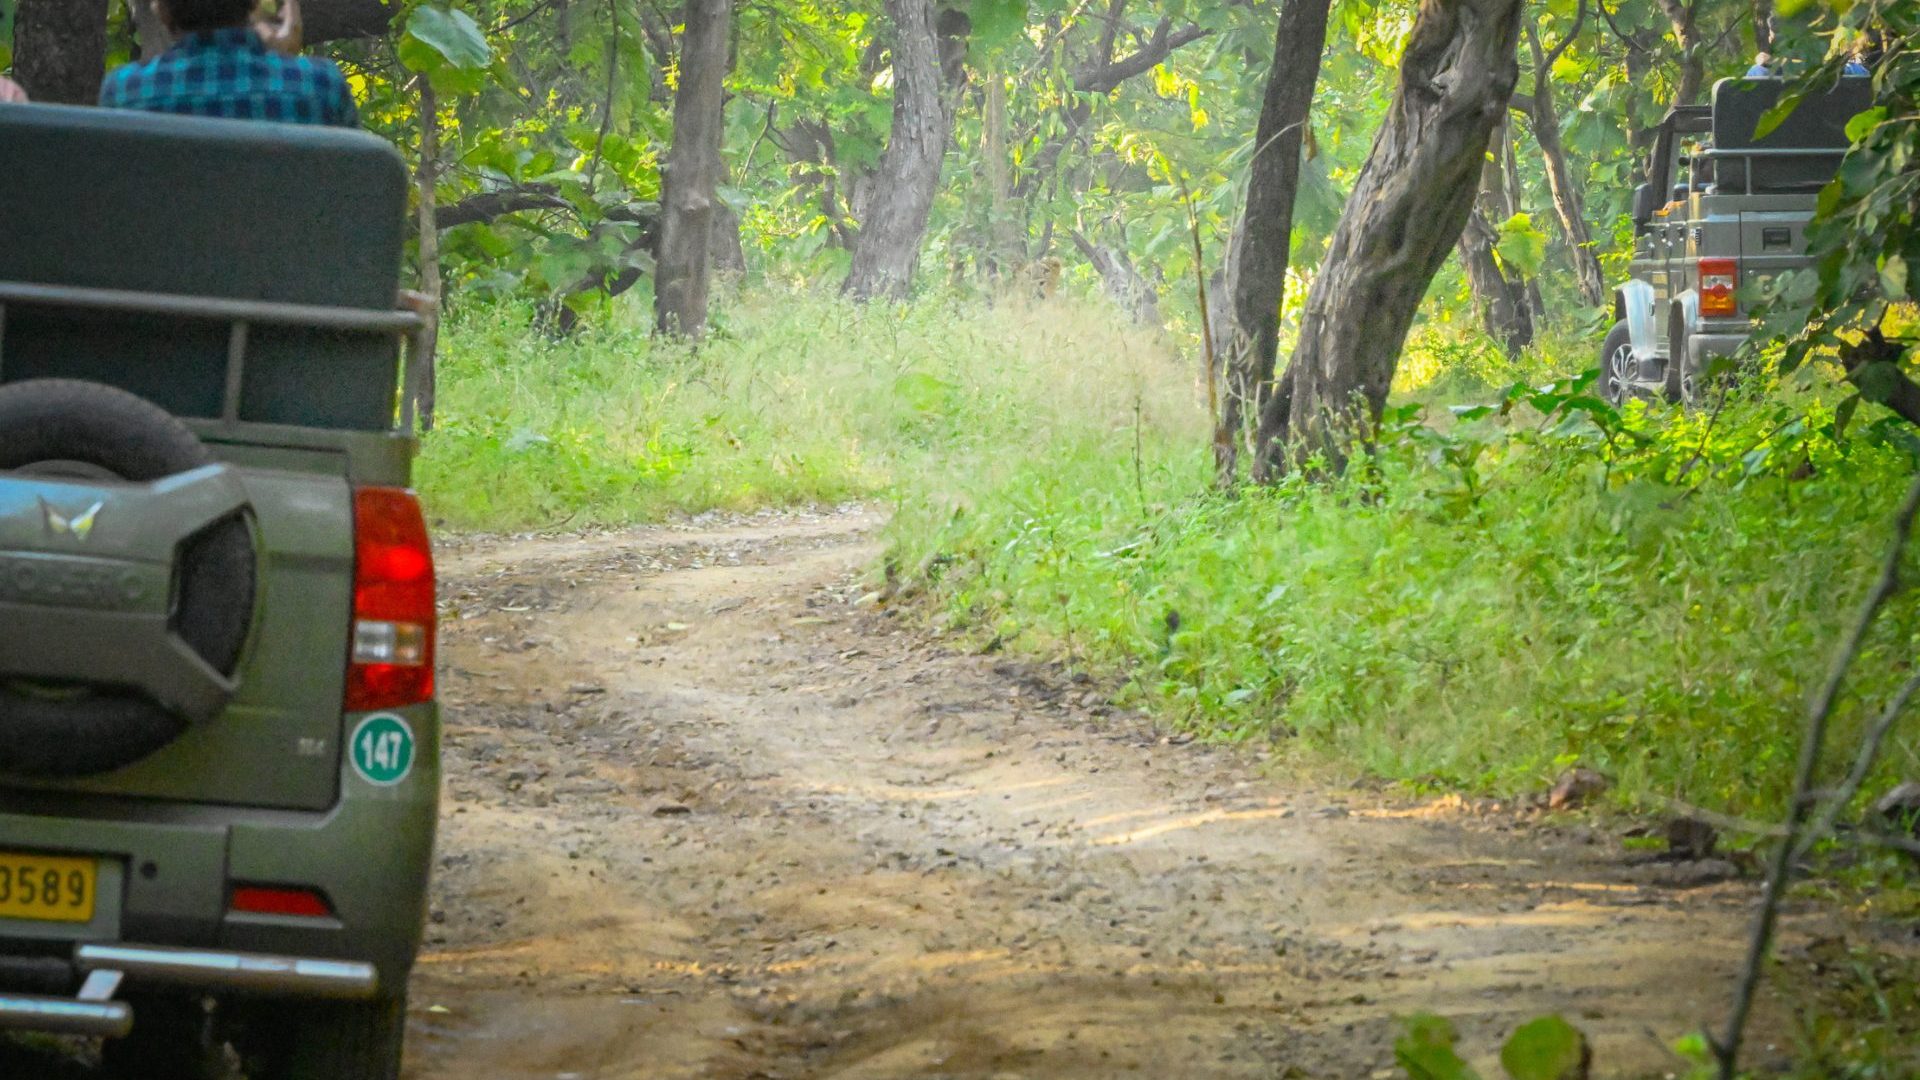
221 66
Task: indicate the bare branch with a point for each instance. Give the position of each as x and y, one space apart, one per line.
489 205
1862 764
1771 831
1165 40
1579 20
1819 711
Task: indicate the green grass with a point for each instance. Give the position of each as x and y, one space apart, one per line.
797 399
1477 610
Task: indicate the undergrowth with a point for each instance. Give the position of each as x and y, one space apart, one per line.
1497 594
799 399
1485 602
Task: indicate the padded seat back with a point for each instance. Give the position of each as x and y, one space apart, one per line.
210 208
1818 123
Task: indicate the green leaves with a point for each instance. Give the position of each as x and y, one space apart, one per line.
1546 1049
997 26
1893 276
1426 1050
1521 246
446 46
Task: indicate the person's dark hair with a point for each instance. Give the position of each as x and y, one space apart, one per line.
186 16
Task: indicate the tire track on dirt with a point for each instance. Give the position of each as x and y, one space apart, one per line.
712 813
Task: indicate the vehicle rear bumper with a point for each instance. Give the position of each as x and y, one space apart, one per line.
1716 342
100 970
168 870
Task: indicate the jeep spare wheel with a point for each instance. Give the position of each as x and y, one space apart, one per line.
126 578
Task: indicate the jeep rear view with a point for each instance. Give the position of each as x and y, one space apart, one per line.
1723 209
219 761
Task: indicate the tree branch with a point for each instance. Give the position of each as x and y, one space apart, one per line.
489 205
1579 20
1165 40
1819 711
1625 38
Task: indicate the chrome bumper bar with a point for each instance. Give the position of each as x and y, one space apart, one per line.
207 969
93 1012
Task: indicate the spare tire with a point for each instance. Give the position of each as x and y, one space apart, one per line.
92 432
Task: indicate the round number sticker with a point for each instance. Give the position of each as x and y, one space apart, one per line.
382 749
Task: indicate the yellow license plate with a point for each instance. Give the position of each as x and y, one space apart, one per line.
48 888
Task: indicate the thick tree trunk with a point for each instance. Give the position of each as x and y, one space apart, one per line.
726 254
1405 213
60 49
1762 26
1506 304
1260 251
894 212
1505 301
1684 17
1569 205
681 274
421 376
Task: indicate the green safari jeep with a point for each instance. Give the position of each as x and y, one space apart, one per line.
219 747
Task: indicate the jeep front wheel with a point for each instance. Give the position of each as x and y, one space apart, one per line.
1616 365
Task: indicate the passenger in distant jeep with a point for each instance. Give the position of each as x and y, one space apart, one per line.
221 66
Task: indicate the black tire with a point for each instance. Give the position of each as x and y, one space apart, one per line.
1616 365
171 1040
90 431
326 1040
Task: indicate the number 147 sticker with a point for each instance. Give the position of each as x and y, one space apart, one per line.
382 749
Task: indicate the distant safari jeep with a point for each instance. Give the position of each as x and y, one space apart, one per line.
219 747
1721 209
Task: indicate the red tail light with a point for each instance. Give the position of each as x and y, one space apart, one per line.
266 900
1718 280
391 663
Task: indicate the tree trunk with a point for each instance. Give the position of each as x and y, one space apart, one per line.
149 30
1762 26
895 209
1569 204
1405 213
1686 34
681 276
420 375
1260 251
60 49
1506 304
1005 245
1124 284
725 253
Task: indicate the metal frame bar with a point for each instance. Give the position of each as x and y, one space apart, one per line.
409 326
1746 157
220 309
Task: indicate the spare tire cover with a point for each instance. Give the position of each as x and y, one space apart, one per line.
81 429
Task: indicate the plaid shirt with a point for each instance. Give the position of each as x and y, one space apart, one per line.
230 73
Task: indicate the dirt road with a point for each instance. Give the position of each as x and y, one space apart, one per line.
710 815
